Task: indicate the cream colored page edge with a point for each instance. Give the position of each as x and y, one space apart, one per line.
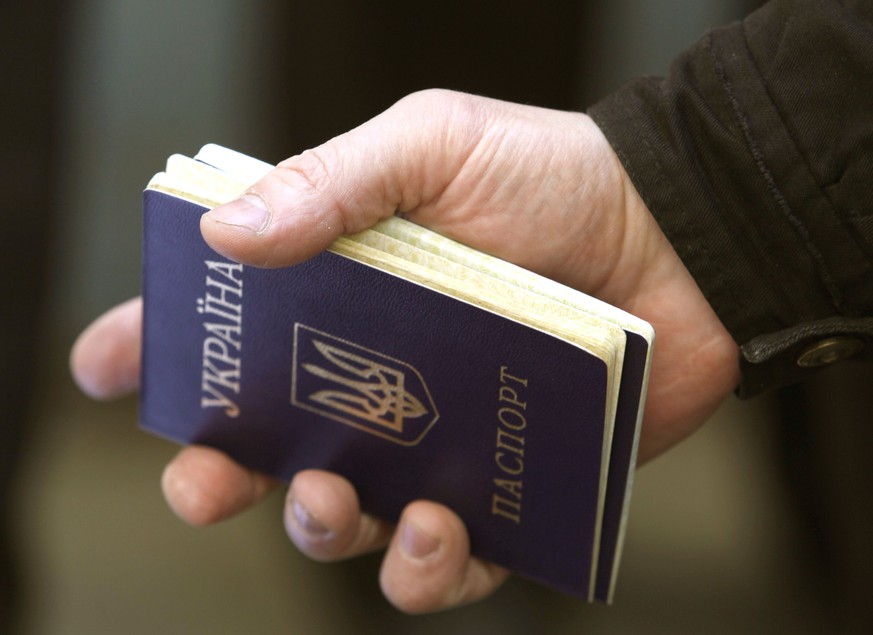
184 180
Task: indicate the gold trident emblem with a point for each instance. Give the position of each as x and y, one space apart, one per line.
377 395
360 387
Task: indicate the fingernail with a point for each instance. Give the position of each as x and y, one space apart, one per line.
416 543
308 523
249 211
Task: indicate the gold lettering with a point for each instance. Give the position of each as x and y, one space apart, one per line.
213 305
521 422
224 299
227 378
512 487
221 363
228 270
504 376
217 400
225 332
510 395
378 395
216 348
517 468
509 453
501 506
501 445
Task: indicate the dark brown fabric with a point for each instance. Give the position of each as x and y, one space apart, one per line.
756 156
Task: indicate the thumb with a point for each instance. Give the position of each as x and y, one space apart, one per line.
397 161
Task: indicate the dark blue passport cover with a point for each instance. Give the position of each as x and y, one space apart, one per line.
407 392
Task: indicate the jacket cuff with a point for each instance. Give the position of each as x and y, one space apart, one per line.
730 157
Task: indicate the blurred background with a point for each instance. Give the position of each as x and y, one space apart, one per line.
760 523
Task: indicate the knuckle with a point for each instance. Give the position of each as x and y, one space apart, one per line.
414 598
311 167
433 98
314 175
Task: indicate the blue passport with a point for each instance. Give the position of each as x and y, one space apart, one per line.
412 365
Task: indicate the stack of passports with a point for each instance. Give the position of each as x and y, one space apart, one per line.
416 367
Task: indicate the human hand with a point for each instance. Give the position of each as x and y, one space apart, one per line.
537 187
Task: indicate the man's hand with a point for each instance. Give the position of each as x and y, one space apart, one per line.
537 187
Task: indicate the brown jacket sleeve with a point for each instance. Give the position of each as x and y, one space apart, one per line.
756 158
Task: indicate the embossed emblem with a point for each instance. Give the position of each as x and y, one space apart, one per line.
360 387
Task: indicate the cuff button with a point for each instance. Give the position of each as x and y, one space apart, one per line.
829 351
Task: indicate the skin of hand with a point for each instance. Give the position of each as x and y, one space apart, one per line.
537 187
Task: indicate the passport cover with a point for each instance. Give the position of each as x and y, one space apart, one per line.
408 392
